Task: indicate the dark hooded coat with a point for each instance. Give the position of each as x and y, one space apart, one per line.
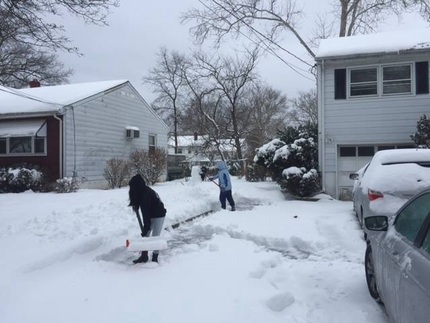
145 198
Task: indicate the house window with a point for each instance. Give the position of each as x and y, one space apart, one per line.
354 151
364 81
382 80
23 145
20 145
179 150
152 143
348 152
385 147
366 151
39 145
396 79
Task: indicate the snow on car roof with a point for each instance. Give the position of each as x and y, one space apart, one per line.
401 156
399 171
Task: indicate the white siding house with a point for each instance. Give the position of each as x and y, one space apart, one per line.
372 90
88 123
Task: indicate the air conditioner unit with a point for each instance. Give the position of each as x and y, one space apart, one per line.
132 132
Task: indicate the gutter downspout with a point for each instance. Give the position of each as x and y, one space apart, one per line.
60 123
321 126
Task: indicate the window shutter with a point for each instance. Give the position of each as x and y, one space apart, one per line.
422 77
340 84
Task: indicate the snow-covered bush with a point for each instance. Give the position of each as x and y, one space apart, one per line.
300 182
264 156
293 164
421 137
67 185
116 172
20 179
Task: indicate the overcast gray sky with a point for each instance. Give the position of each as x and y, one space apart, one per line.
127 48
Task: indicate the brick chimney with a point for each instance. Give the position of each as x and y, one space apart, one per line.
34 83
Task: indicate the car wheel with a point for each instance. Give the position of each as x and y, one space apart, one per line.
370 275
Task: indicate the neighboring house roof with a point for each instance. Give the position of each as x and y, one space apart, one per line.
372 44
188 141
50 98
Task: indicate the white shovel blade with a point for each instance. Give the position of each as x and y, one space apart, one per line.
146 244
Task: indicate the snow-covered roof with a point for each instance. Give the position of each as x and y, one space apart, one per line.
49 98
387 42
188 141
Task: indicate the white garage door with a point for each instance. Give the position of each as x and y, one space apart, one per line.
351 159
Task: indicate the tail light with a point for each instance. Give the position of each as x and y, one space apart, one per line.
373 195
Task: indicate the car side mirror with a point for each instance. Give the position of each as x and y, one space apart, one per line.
376 223
353 176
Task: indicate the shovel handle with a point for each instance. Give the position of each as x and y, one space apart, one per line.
139 219
213 181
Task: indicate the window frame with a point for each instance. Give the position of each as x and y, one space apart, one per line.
383 81
380 82
32 152
151 146
350 83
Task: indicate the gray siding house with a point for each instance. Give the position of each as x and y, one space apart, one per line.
372 90
72 130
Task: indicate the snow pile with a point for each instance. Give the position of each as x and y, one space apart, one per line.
273 260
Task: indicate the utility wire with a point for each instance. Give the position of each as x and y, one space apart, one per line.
267 48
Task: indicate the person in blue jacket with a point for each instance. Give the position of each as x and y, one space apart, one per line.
224 183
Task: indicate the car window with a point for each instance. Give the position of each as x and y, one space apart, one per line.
426 243
410 219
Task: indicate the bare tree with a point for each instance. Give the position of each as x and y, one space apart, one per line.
364 16
265 22
167 79
28 38
305 108
232 77
205 104
269 115
261 21
20 63
26 21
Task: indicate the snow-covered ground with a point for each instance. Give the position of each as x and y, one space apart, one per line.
63 259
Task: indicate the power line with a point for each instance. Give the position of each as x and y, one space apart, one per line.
267 48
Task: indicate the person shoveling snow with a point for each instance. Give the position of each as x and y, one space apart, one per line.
224 183
153 213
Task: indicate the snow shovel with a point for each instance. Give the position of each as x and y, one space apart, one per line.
146 243
213 181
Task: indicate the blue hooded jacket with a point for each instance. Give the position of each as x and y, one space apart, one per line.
223 176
